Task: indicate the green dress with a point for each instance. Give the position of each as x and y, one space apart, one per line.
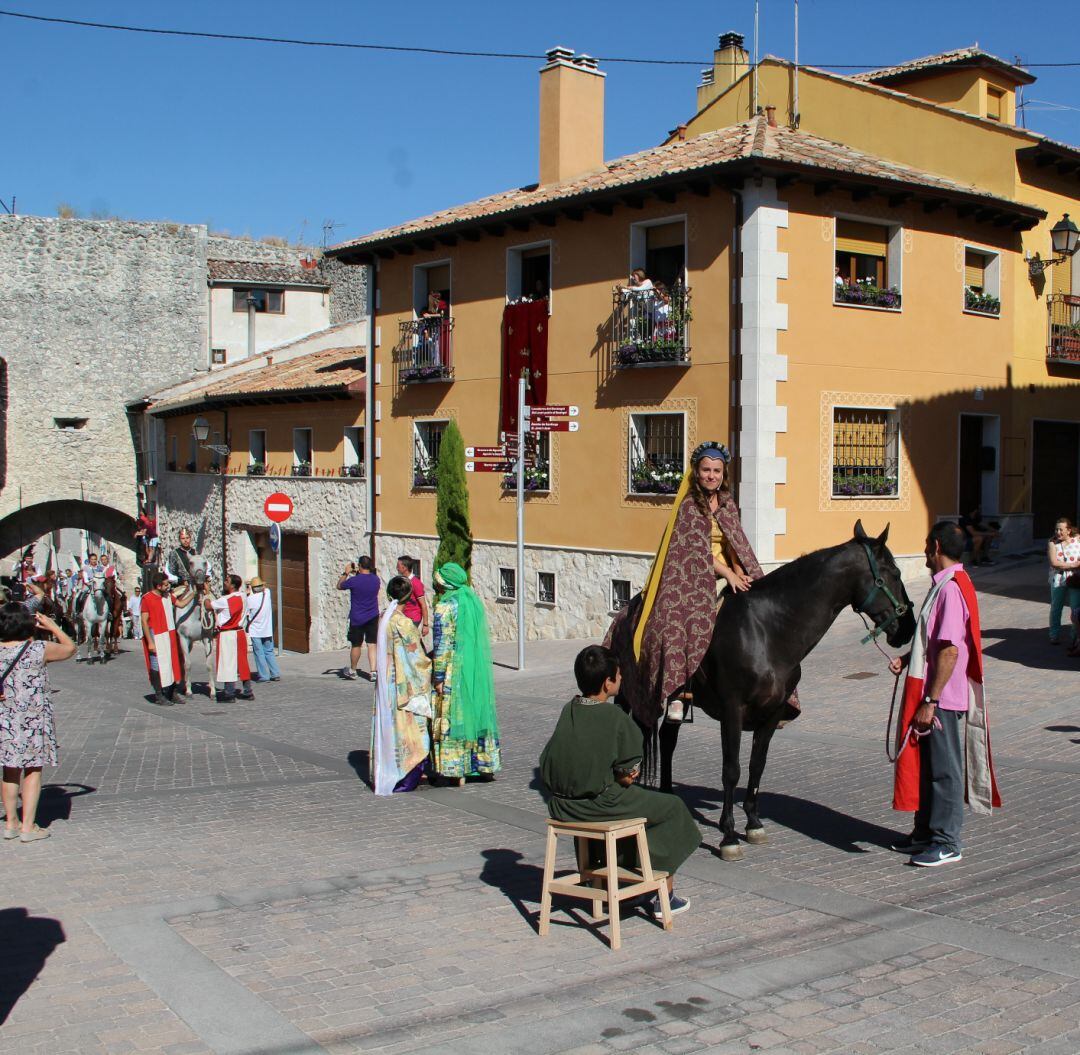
591 741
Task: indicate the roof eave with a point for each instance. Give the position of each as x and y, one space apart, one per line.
223 400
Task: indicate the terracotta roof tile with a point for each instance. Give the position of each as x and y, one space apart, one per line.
969 56
755 139
331 371
273 274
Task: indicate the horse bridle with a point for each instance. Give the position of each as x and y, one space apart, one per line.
899 609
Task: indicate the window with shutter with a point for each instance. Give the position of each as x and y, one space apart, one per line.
995 104
862 253
975 271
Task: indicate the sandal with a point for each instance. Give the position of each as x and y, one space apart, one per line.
34 835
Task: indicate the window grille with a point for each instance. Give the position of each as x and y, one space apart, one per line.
866 453
271 301
427 439
507 584
620 594
657 453
545 587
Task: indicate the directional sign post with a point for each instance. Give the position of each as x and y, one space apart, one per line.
278 507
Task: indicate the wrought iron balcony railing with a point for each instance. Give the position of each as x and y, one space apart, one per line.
1063 328
651 327
425 350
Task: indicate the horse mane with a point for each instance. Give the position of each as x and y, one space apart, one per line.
799 568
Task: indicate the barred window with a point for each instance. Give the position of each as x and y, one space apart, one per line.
620 594
507 584
866 453
657 453
545 587
271 301
427 439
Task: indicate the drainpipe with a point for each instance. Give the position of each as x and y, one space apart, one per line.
736 343
369 408
251 323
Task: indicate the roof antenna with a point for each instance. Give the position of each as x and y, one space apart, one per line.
1021 112
754 98
795 100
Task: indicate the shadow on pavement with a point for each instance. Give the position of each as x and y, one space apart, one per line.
55 802
361 765
504 870
1027 646
27 941
823 823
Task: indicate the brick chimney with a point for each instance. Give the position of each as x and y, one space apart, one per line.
571 116
730 61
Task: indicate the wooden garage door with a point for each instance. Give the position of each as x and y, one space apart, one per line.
295 603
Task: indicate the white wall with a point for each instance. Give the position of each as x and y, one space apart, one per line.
306 311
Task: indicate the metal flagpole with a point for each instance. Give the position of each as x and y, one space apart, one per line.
522 410
280 622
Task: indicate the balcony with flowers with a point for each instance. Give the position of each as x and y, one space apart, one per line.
651 326
425 350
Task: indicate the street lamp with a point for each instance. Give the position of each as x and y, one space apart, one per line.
1064 237
200 429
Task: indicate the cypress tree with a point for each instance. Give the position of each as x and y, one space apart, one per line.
452 502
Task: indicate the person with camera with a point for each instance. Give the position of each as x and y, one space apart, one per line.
363 584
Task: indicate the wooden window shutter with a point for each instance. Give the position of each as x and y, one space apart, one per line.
869 239
994 103
974 269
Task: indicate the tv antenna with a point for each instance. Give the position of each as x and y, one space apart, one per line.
4 206
327 227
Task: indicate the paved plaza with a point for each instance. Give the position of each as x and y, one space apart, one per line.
220 879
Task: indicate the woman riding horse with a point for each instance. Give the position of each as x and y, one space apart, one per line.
672 620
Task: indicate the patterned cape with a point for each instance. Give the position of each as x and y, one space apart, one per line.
679 621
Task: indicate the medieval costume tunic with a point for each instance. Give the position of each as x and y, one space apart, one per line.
592 743
166 663
230 645
465 729
399 725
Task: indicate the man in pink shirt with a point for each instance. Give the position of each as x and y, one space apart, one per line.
939 719
416 607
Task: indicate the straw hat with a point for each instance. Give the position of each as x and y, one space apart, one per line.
255 582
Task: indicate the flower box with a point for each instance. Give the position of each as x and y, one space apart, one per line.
1065 347
649 480
867 295
537 478
983 303
355 472
256 469
865 485
655 353
302 469
413 374
425 477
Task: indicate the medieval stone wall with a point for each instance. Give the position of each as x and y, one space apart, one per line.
92 314
348 289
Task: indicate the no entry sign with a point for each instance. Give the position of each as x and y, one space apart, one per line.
278 507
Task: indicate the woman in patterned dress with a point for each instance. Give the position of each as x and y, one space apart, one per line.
1063 553
27 735
465 730
399 729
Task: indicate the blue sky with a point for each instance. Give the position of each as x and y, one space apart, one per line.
264 139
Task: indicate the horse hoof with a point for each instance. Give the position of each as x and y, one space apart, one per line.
734 852
756 836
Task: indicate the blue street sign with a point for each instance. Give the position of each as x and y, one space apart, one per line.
275 537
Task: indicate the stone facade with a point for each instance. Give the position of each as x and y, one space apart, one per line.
348 289
329 511
583 604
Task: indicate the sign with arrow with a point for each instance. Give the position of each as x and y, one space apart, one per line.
554 425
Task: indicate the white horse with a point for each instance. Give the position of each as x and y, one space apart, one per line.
95 619
194 624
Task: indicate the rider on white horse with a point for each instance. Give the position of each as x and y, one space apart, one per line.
178 567
91 577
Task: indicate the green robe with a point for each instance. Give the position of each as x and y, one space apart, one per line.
591 741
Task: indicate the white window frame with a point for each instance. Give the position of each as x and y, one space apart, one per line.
992 270
892 410
635 442
513 268
352 450
417 442
251 446
296 459
553 603
512 572
894 259
420 293
613 607
639 238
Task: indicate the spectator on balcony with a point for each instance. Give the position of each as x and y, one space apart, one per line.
663 327
435 335
639 284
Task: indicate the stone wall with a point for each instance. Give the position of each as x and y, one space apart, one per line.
582 607
224 247
92 314
348 289
330 512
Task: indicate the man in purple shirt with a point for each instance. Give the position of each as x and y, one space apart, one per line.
363 586
935 837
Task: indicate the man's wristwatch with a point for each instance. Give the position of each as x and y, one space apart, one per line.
930 699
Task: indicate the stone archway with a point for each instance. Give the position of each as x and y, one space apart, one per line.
22 527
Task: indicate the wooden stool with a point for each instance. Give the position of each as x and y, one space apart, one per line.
602 885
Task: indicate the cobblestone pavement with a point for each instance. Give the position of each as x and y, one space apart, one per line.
221 880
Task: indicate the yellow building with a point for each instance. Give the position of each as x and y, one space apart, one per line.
848 302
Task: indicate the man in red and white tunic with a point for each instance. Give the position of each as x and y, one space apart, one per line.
161 645
231 644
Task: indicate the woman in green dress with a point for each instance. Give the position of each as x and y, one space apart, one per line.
592 760
465 730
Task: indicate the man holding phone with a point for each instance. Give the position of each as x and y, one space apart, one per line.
363 585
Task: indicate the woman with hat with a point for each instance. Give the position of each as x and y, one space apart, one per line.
704 547
465 731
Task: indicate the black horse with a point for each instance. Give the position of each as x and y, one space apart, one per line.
762 636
